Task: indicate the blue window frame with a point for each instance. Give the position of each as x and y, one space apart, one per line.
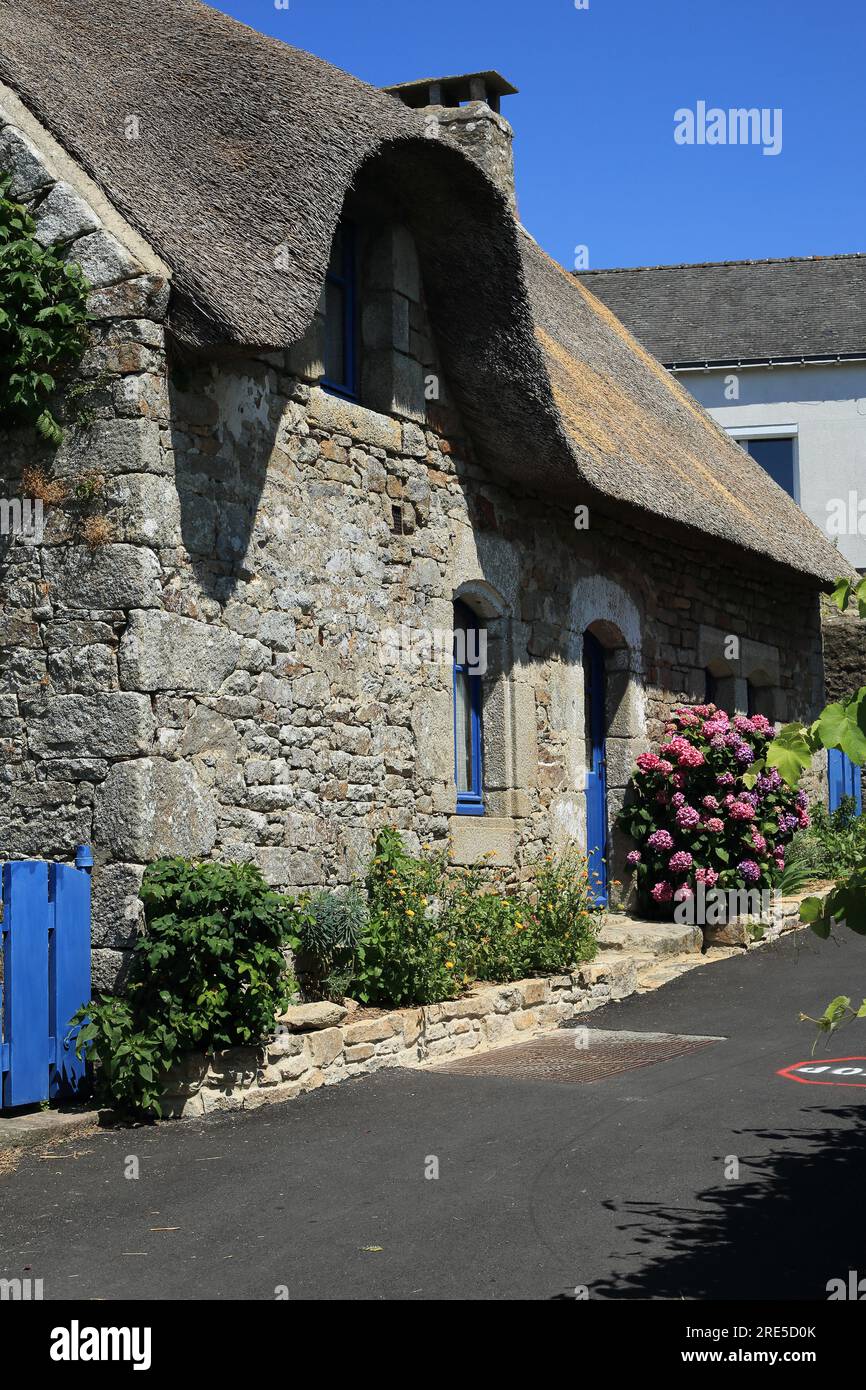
468 742
341 328
776 457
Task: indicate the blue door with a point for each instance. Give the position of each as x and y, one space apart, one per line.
596 777
844 779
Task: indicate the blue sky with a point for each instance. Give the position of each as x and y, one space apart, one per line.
597 164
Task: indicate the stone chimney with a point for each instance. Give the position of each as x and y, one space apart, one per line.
466 110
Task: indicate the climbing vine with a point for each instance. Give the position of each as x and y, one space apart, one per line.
43 320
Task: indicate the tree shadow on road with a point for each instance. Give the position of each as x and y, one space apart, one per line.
793 1220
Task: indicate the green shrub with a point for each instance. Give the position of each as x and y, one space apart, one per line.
208 973
329 928
434 930
834 843
564 920
403 958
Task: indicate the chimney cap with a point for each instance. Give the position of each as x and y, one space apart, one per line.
451 91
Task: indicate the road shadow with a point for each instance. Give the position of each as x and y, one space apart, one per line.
794 1220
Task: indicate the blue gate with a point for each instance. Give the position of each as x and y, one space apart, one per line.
843 777
45 957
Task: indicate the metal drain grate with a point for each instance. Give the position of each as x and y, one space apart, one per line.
576 1055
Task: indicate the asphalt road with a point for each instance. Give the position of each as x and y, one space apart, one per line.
617 1185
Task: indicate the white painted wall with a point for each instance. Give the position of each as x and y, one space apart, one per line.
827 404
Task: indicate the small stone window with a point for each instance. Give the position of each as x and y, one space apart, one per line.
341 325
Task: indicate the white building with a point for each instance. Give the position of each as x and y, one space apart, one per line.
776 352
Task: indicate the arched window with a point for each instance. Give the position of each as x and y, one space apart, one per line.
469 647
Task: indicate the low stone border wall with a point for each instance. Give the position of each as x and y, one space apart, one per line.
322 1044
752 930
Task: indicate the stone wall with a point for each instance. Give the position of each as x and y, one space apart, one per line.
318 1045
844 651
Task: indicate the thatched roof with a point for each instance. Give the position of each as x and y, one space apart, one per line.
641 437
737 312
248 146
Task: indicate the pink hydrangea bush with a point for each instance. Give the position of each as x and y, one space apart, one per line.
693 818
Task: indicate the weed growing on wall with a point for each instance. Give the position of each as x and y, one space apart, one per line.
43 321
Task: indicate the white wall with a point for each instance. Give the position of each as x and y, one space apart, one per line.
827 404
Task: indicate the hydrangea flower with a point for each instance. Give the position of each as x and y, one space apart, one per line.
661 840
685 754
697 788
680 862
714 727
769 781
648 762
633 858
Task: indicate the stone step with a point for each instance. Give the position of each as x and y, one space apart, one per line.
620 933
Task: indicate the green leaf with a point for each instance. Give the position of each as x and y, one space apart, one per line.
790 752
841 593
811 909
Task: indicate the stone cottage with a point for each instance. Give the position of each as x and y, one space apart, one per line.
342 404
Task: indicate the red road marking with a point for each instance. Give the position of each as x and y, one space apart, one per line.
822 1078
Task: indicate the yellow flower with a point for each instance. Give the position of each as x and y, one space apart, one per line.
409 912
449 965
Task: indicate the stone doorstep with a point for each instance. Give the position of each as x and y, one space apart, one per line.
38 1127
622 933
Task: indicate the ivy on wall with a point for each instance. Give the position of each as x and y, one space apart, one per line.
43 321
